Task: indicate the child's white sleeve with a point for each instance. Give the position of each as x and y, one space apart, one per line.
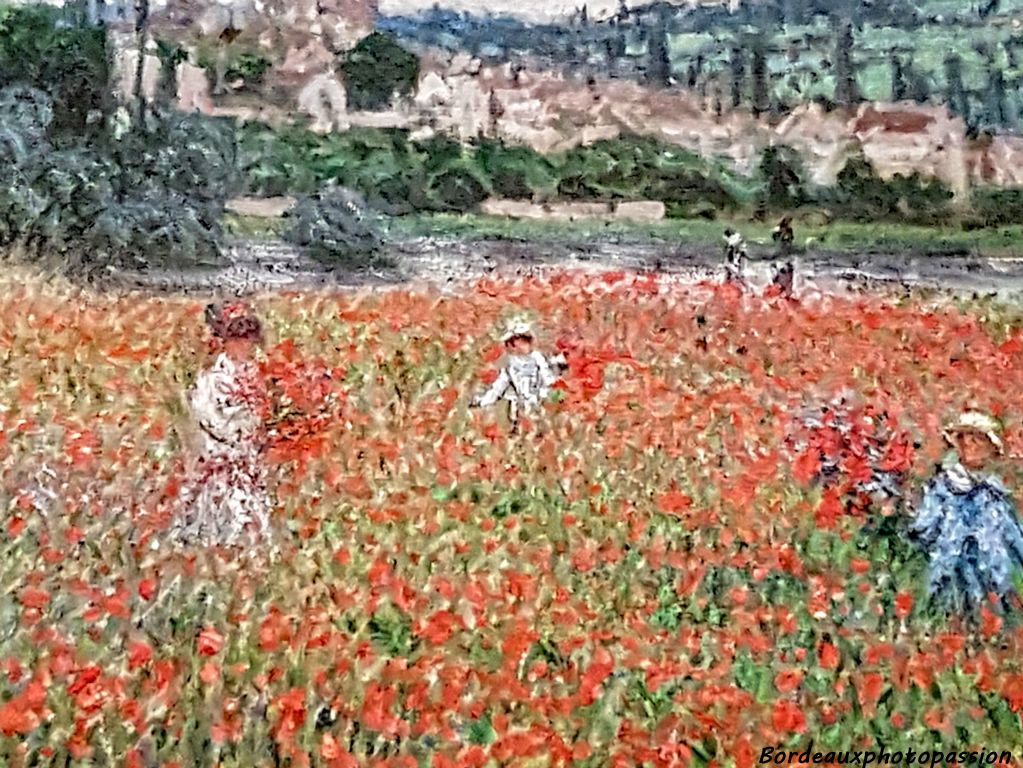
496 389
547 376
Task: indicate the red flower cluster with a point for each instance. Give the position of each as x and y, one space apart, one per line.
666 572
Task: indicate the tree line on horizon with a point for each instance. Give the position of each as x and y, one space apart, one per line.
757 60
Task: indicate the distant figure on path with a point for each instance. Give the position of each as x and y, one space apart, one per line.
735 258
525 378
785 279
227 502
784 236
968 523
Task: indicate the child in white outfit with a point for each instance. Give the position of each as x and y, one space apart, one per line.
525 378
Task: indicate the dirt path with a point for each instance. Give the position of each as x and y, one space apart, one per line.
260 266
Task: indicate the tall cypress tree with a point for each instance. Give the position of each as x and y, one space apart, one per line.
988 7
847 92
658 71
738 69
141 35
955 93
900 88
761 78
996 94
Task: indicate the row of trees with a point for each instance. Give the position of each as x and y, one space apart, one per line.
738 71
400 176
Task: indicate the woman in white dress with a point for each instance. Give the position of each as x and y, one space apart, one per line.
227 503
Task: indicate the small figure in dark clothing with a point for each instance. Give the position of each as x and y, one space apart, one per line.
735 258
785 278
784 236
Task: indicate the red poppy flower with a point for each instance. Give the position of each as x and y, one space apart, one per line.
209 642
788 717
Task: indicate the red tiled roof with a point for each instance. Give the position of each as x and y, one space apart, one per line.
893 122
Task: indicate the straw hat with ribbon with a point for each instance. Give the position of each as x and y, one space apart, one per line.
517 328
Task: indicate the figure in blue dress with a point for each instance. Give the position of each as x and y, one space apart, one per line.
968 524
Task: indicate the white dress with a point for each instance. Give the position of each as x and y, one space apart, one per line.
525 380
735 258
227 502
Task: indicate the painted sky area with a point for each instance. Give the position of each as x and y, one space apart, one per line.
536 11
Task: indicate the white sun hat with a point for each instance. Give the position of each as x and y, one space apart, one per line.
517 328
976 421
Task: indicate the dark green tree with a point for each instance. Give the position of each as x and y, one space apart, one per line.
781 171
90 204
760 76
988 7
847 92
170 55
737 66
141 38
996 108
151 228
70 63
861 195
900 86
919 87
378 69
658 70
956 96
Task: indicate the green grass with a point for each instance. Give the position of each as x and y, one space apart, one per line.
839 236
254 227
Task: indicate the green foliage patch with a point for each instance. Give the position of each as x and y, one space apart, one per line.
68 62
377 70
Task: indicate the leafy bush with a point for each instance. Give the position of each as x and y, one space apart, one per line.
335 227
376 70
383 165
398 176
781 172
153 199
641 168
861 195
51 199
607 170
279 162
395 175
515 172
248 66
193 155
451 180
25 116
70 63
998 207
689 193
152 229
76 185
455 190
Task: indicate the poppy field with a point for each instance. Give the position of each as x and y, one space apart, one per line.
656 573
